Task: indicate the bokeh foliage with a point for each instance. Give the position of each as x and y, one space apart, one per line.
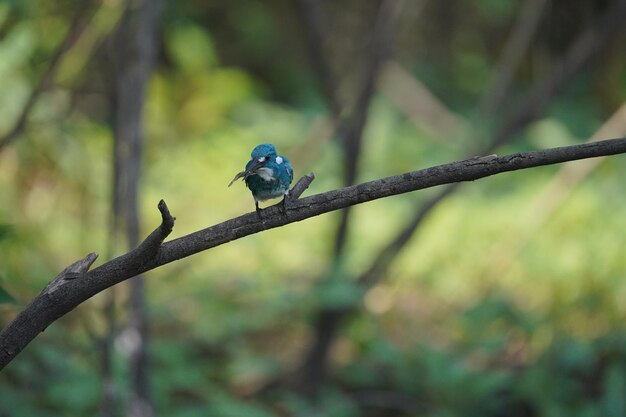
453 330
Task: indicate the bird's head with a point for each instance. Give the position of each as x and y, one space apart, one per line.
264 151
261 155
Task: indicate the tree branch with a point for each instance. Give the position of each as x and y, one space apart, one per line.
301 186
75 285
49 305
580 51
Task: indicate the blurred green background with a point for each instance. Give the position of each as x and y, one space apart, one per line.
509 298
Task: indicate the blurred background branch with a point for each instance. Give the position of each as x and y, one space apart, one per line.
516 47
351 119
77 25
582 49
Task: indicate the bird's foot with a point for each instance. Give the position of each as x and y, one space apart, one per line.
258 209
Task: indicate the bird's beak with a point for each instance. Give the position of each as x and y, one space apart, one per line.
257 164
244 174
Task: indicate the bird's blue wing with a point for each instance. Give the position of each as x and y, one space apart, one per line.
288 168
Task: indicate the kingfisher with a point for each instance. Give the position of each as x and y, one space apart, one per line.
267 174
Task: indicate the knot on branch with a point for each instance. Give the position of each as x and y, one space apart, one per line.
148 250
167 222
75 270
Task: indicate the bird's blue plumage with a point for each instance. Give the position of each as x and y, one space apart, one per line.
267 174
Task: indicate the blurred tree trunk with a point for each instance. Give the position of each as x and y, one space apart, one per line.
350 120
133 55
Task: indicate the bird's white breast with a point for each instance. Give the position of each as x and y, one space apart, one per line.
265 173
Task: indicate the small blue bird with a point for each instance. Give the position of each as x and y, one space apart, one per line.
267 174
